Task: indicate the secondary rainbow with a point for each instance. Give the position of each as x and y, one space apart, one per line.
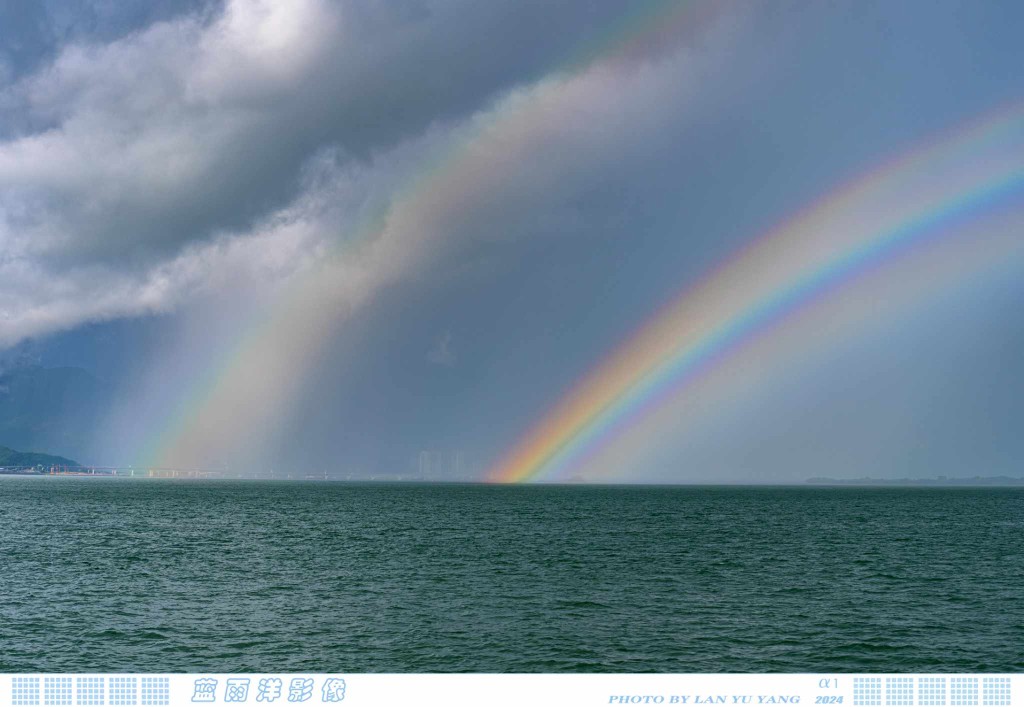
233 397
899 204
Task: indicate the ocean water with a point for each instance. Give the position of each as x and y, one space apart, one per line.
161 576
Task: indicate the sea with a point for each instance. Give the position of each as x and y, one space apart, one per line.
119 575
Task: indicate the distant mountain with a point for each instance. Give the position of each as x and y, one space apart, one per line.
57 409
10 457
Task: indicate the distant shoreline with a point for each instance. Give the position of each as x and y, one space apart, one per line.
820 482
936 481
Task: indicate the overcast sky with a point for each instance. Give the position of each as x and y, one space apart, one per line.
331 234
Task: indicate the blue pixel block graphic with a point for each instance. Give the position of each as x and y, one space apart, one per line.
867 691
56 691
931 692
963 692
156 691
89 691
995 692
899 691
123 692
24 691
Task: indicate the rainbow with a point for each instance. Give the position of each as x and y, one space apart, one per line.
901 204
236 396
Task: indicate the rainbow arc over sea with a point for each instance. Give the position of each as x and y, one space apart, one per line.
238 395
902 208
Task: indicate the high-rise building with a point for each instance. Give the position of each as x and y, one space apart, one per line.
436 464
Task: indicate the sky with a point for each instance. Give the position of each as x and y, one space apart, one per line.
324 235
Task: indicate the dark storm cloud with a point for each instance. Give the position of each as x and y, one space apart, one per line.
204 159
131 157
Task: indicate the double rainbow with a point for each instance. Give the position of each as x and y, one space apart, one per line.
236 399
900 204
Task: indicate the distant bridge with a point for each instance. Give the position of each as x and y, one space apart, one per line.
128 471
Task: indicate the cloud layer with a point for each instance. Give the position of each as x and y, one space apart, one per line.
137 172
316 194
527 153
